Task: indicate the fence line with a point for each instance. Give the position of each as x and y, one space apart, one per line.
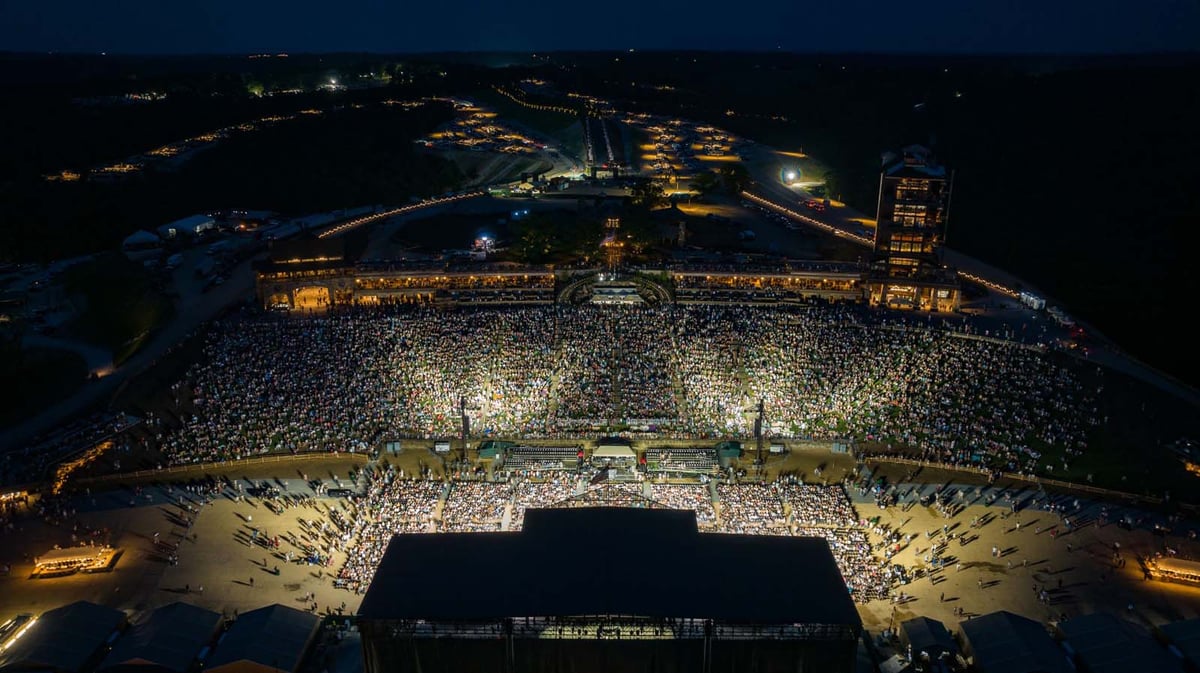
204 467
898 460
1043 481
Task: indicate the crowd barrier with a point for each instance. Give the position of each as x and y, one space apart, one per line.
178 470
1043 481
205 467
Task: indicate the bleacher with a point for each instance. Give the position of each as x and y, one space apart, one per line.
539 295
541 458
687 459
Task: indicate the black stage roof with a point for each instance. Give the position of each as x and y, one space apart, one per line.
609 561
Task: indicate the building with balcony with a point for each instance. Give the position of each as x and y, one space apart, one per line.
914 205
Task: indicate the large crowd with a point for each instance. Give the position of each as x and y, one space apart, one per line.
394 504
350 379
749 508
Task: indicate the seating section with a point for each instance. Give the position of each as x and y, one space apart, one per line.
541 458
475 506
814 505
695 497
749 508
681 460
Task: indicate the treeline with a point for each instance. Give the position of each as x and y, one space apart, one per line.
44 130
345 158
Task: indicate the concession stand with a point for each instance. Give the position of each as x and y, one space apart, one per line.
1172 569
73 559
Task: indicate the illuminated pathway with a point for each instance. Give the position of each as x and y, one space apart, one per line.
863 240
827 228
375 217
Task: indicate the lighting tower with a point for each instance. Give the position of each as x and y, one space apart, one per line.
758 430
466 421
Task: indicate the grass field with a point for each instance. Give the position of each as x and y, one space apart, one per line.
120 304
146 391
1127 451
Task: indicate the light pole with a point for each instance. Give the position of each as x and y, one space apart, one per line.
758 432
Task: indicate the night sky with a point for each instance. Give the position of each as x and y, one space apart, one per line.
250 26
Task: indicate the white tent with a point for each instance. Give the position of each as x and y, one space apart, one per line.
191 225
140 239
613 451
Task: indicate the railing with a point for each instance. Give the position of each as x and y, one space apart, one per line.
1044 481
205 467
375 217
784 210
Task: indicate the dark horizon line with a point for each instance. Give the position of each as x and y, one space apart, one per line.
634 50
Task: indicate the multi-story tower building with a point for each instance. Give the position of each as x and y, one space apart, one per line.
914 204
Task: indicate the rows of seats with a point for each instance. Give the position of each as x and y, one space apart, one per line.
505 296
523 464
683 459
563 453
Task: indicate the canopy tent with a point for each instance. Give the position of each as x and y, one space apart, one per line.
729 449
1002 642
274 638
1184 638
169 640
927 636
1172 569
71 555
493 448
1178 565
192 224
614 451
895 664
63 640
1105 643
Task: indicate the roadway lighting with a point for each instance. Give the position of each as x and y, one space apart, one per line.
791 176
